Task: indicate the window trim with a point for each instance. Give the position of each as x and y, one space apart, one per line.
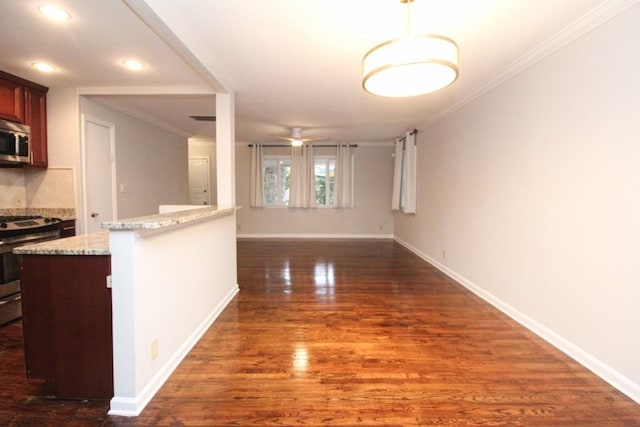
287 157
327 158
278 158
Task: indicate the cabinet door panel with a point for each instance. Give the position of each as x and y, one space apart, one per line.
67 330
11 101
36 117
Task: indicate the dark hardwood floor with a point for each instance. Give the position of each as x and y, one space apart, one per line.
347 333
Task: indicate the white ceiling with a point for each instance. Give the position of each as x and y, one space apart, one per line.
289 62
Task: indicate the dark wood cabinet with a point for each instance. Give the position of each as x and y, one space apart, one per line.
36 118
25 102
11 99
68 228
66 308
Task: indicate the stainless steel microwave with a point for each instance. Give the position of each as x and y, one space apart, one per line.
14 142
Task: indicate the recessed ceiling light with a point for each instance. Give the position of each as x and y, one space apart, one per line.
54 12
132 64
43 66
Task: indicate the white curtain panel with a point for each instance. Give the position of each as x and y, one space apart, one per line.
409 196
310 175
404 196
256 186
302 190
397 174
296 189
343 190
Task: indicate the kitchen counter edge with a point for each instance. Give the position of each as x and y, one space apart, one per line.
98 243
85 244
152 222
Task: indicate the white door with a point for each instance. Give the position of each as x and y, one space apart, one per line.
99 172
199 180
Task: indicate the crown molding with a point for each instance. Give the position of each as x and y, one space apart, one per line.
141 116
145 90
589 21
202 141
359 143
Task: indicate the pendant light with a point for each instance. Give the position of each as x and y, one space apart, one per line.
411 65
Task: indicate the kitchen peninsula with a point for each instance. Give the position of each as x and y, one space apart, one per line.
136 297
66 311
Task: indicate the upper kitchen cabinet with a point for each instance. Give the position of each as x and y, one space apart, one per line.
36 118
11 100
25 102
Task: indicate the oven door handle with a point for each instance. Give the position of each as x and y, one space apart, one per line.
32 238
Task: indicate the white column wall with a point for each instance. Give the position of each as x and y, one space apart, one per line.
169 285
225 150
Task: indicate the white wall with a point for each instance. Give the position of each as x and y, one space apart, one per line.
370 217
533 191
63 124
151 162
169 286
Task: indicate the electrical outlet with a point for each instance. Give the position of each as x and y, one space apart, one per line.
154 348
239 227
444 254
381 227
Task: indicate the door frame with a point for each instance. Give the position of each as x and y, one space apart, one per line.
208 159
84 118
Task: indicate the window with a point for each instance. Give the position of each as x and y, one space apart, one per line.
325 176
277 178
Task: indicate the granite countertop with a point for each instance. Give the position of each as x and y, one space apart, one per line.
98 243
85 244
62 213
152 222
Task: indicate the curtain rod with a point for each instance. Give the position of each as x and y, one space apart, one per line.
289 145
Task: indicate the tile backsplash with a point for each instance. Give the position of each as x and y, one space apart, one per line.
12 188
31 188
51 188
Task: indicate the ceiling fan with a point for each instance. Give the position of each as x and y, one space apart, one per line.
296 138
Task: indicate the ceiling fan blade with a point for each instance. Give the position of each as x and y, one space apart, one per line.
324 138
297 136
284 138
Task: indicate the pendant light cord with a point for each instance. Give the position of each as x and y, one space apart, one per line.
409 17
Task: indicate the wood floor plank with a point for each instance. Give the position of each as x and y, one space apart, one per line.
349 333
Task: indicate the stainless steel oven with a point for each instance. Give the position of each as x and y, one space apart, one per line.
19 231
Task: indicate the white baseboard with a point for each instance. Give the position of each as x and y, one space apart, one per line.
132 407
604 371
314 236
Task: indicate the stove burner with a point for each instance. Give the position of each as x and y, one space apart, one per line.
5 220
22 224
18 218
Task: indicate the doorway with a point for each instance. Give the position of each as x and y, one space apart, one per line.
99 172
200 180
